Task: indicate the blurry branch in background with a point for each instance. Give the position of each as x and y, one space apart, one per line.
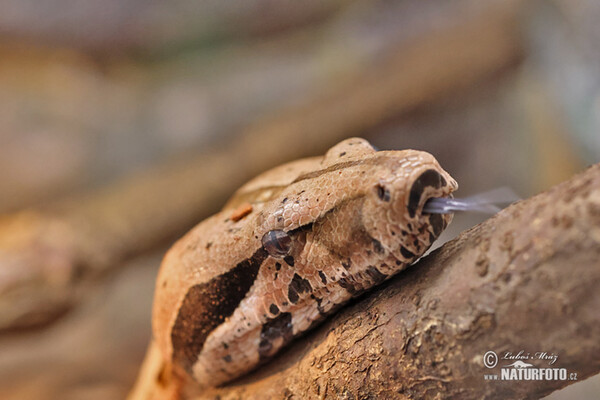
48 256
526 279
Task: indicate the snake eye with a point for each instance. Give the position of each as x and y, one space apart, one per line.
277 243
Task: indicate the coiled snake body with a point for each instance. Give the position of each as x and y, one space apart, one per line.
289 248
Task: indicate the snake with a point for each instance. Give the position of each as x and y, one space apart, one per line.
288 249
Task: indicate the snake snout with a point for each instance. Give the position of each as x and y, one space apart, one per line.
429 184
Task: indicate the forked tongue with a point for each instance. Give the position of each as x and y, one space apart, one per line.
489 202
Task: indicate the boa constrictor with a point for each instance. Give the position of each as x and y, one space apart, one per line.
290 247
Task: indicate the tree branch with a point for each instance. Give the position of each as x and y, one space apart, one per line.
526 279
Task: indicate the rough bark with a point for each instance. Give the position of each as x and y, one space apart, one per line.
47 256
526 279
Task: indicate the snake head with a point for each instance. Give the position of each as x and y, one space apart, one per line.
393 211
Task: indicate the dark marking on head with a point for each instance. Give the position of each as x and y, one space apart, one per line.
437 223
273 309
289 260
375 274
278 327
208 244
345 283
383 193
293 296
377 246
342 154
319 307
347 264
227 358
297 286
207 305
277 266
431 238
406 253
430 178
323 277
284 200
225 345
332 168
398 262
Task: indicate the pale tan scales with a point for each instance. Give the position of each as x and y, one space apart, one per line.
227 299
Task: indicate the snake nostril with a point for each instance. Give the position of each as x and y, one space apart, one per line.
383 192
429 178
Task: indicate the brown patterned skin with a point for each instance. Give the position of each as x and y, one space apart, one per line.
289 247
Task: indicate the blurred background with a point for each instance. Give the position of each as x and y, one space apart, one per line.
123 123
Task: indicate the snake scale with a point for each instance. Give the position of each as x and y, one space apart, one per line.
289 248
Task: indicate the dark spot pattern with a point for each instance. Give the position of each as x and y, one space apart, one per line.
207 305
437 223
319 307
323 277
227 358
289 260
377 246
277 266
431 237
279 327
406 253
429 178
297 286
273 309
345 283
375 274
